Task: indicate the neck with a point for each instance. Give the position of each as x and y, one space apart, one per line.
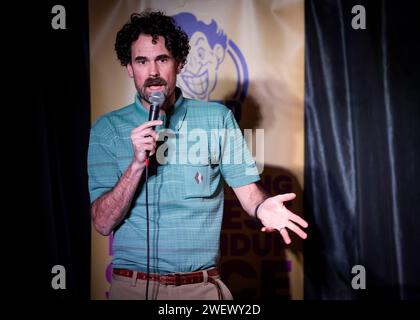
166 108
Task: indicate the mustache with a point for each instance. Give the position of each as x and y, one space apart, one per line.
155 82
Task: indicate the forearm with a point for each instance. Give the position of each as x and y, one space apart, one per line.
250 196
110 209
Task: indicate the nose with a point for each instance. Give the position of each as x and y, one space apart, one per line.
154 70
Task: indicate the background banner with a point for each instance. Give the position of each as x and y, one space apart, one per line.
251 58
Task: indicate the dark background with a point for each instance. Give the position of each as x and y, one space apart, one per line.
362 133
60 122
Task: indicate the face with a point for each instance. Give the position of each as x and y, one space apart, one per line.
153 68
199 76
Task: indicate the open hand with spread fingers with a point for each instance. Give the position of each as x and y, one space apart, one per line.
274 216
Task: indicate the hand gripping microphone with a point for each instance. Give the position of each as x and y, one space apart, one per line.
156 100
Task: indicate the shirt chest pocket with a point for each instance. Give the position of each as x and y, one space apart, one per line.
198 180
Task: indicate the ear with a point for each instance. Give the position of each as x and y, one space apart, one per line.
178 67
219 52
130 70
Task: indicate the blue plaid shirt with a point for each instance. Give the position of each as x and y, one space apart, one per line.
185 194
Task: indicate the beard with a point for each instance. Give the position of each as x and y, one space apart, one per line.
152 82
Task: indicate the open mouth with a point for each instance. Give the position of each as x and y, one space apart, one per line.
197 84
155 84
156 88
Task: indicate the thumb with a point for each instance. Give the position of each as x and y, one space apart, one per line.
285 197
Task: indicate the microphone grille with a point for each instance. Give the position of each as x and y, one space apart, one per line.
157 97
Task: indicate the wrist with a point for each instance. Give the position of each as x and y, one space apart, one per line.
137 167
257 208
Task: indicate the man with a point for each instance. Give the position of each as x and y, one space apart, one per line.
172 254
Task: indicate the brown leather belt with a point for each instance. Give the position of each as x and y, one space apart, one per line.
177 279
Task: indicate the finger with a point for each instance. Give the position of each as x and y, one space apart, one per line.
143 140
285 197
148 124
297 219
149 132
139 139
297 230
285 235
147 146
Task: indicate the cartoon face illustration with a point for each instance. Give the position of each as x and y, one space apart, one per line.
208 44
199 76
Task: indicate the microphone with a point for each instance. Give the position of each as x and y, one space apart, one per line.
156 100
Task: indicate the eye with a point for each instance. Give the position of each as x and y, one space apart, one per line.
201 53
163 60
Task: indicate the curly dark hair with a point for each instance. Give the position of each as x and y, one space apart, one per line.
154 24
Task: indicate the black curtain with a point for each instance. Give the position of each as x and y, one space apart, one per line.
59 104
362 137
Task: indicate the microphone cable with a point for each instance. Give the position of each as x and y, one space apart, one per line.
156 99
147 231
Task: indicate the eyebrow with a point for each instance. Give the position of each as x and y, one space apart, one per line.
161 56
198 40
138 58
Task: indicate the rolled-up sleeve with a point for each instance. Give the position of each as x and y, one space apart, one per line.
102 164
237 166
